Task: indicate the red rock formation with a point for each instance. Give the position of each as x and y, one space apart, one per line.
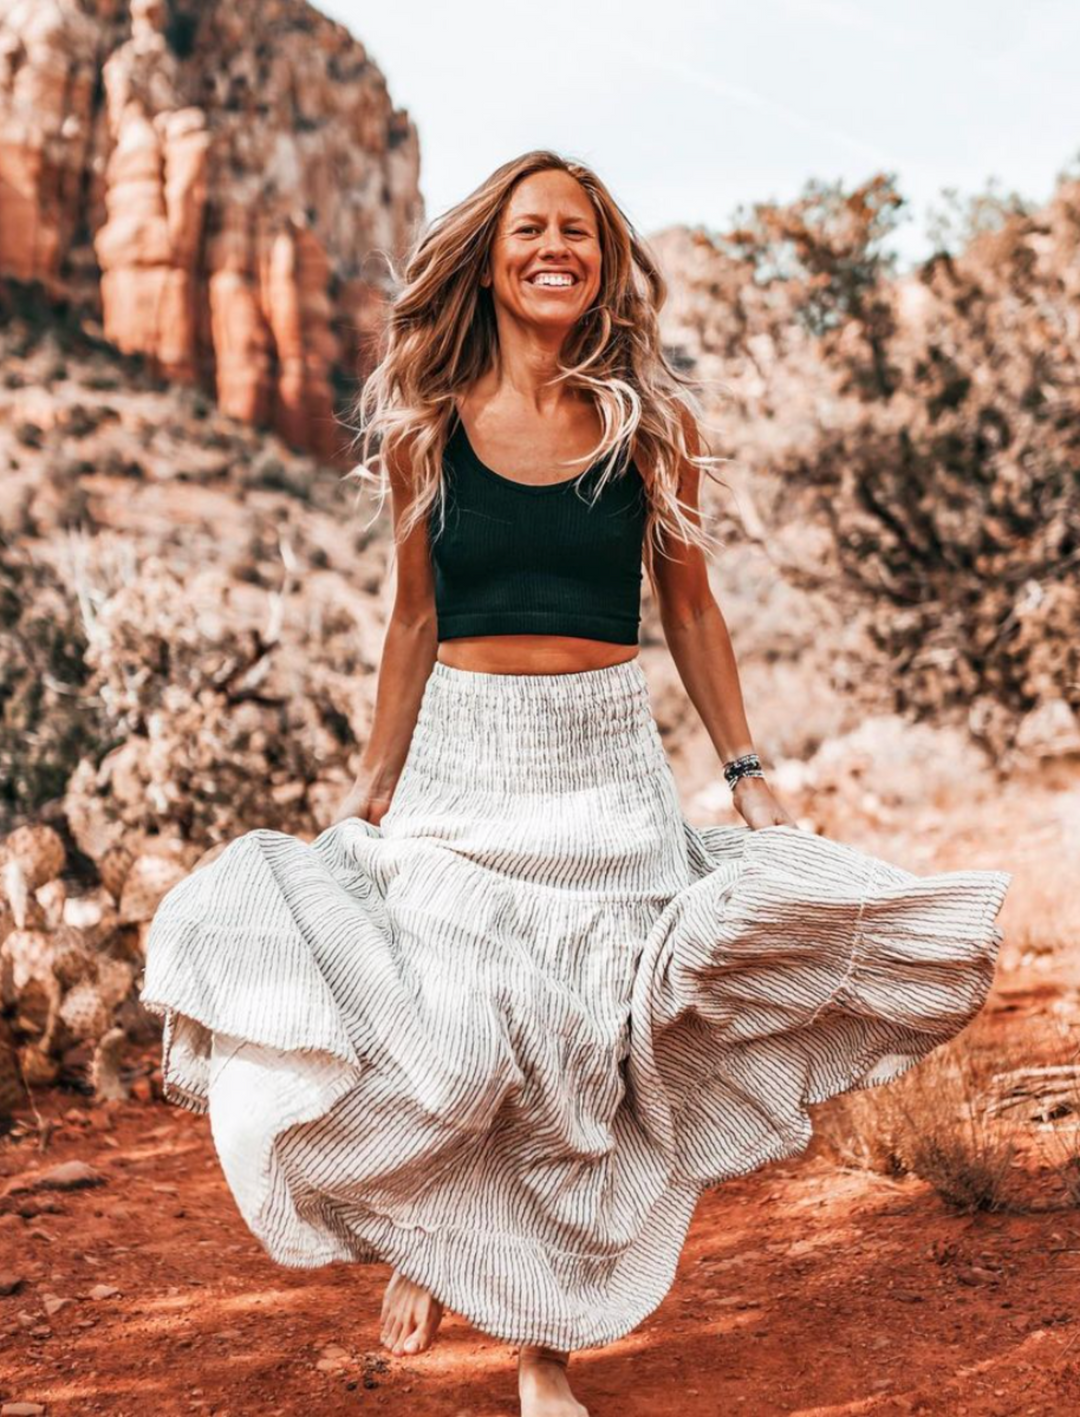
209 182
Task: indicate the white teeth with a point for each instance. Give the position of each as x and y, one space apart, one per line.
552 280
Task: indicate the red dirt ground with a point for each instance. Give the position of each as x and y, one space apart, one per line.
805 1289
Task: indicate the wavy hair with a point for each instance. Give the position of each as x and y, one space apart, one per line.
441 335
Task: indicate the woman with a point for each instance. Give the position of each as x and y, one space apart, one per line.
505 1019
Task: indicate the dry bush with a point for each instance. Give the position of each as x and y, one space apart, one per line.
989 1127
49 718
913 443
224 718
931 1123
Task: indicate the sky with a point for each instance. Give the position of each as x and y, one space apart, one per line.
689 109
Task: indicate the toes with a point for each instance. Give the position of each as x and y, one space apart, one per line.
426 1329
423 1325
392 1332
389 1295
410 1315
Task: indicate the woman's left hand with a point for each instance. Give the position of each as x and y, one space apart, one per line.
757 806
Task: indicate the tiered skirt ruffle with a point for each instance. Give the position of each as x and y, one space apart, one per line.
504 1039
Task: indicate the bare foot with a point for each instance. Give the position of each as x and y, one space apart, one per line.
543 1386
410 1316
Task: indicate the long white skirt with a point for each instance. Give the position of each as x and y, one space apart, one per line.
504 1039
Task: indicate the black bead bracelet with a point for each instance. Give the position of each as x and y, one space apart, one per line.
749 765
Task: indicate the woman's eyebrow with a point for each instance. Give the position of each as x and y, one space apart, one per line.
538 216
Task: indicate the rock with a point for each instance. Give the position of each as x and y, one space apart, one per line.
68 1176
53 1303
10 1283
102 1291
973 1274
213 198
22 1409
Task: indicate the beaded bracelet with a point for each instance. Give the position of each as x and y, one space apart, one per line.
749 765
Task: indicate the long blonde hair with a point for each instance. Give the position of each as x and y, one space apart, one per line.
441 336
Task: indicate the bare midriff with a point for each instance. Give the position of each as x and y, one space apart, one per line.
531 654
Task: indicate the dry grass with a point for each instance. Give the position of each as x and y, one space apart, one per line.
931 1123
945 1121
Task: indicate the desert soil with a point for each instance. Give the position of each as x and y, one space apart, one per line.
806 1288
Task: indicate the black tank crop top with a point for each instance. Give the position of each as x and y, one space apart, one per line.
521 558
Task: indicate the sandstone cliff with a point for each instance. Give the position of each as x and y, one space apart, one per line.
216 184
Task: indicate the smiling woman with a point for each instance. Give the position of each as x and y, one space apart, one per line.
509 1014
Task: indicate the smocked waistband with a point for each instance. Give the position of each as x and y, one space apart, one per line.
611 680
547 730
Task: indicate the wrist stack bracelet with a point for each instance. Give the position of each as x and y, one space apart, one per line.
749 765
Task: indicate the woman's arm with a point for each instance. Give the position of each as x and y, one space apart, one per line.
408 653
697 636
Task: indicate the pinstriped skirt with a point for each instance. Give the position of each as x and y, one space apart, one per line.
504 1039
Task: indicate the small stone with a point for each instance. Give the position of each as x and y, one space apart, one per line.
53 1303
68 1176
11 1283
21 1409
974 1274
102 1291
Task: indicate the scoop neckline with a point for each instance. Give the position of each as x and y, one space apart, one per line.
529 487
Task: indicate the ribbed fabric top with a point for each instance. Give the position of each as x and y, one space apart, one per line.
526 558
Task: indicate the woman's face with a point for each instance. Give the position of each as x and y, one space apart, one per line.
549 226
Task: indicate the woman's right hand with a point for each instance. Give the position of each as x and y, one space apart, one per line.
364 801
